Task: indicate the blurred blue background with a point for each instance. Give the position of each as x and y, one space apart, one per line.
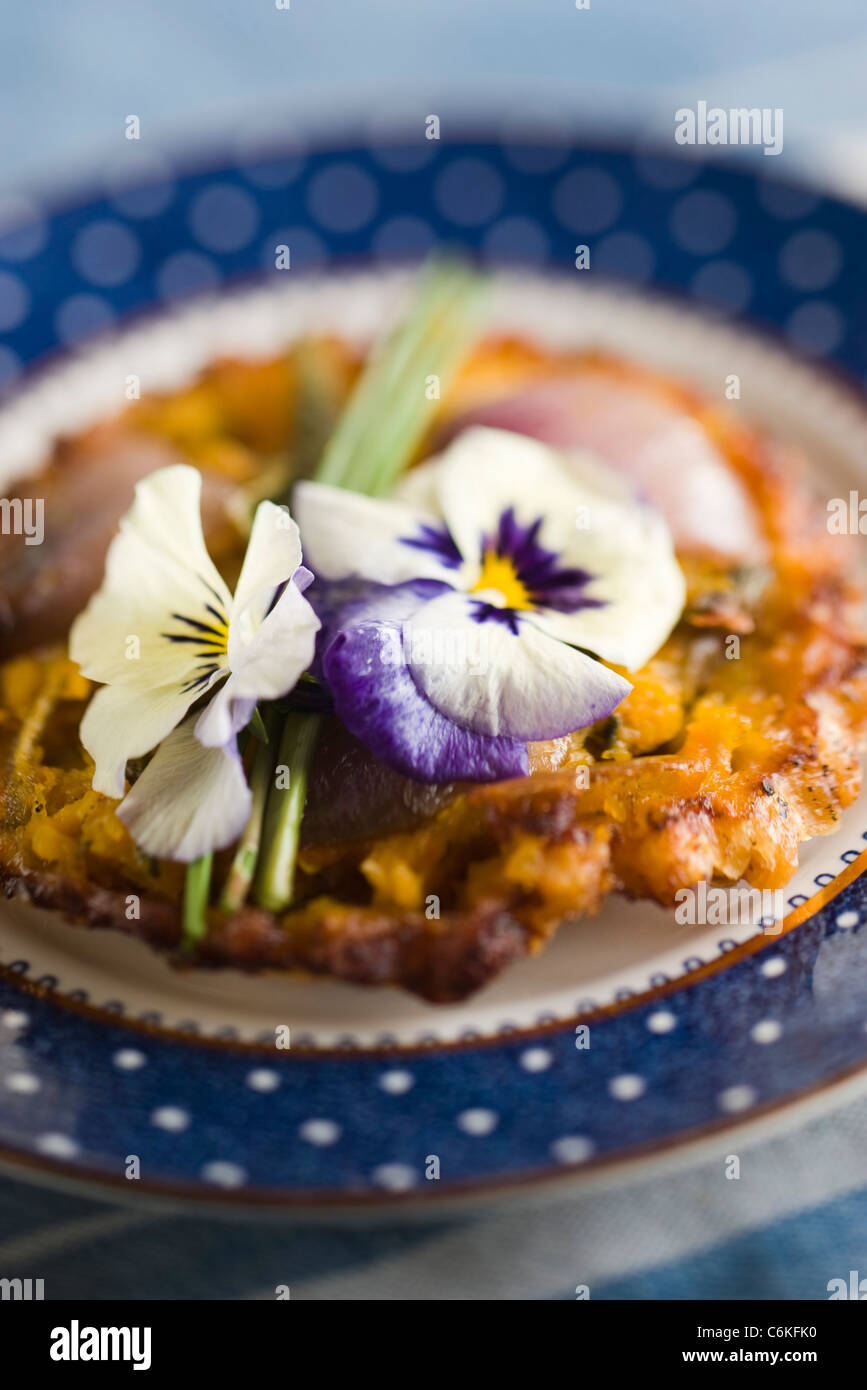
201 72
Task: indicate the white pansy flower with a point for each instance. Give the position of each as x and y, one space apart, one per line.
163 631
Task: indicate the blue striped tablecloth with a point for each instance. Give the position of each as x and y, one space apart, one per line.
795 1219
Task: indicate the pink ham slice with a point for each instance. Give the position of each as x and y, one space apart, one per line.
665 452
87 490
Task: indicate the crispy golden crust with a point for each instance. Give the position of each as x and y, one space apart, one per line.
717 765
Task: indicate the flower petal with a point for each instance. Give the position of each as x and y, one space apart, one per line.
263 668
591 520
492 671
159 577
640 584
189 800
346 534
273 555
378 700
120 724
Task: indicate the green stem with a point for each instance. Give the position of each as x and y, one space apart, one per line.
276 877
243 867
395 378
197 887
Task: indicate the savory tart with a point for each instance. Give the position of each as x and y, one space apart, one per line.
310 677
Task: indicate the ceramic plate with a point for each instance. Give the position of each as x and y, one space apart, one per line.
105 1051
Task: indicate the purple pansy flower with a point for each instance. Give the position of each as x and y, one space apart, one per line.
458 615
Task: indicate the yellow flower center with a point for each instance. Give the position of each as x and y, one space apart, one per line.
498 573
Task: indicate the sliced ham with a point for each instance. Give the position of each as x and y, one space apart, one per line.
88 487
664 451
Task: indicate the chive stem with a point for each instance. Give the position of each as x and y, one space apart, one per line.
394 378
243 866
197 887
275 881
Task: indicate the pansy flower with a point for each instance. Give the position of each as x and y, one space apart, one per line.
162 634
472 611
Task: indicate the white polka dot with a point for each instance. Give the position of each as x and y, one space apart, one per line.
516 238
23 1083
23 229
105 253
810 260
773 967
57 1146
469 192
662 1021
320 1132
785 203
186 273
13 1018
723 284
80 316
403 236
847 920
224 1174
736 1098
816 326
626 255
703 222
768 1031
668 175
397 1082
223 218
342 198
396 1177
14 301
170 1117
265 158
572 1148
272 172
142 184
627 1087
587 201
477 1122
534 142
536 1059
129 1059
306 249
262 1079
404 157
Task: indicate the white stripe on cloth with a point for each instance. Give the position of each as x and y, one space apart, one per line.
67 1236
529 1251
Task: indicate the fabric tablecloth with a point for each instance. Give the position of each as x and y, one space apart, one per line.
795 1219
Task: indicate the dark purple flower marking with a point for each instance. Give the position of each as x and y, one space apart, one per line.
537 568
438 541
483 612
